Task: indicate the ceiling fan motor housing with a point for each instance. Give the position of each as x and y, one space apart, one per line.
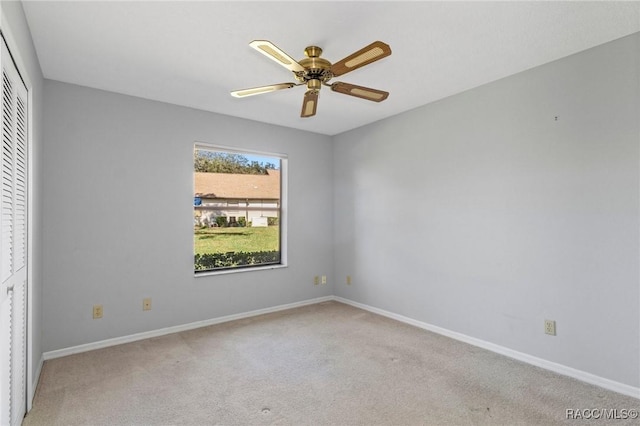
316 68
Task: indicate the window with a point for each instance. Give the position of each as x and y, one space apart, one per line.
237 209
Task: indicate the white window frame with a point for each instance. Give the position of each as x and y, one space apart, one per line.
284 201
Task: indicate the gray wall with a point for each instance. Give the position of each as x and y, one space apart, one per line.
484 215
480 213
118 218
14 23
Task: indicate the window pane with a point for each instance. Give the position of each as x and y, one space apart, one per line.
237 210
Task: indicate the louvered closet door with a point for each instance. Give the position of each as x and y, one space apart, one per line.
13 258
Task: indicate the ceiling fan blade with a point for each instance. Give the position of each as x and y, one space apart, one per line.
360 91
309 104
273 52
242 93
371 53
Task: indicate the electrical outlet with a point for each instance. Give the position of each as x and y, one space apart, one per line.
348 279
146 304
550 327
97 311
316 280
324 279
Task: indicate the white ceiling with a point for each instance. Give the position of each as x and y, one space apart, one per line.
194 53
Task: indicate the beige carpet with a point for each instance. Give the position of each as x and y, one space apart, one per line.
324 364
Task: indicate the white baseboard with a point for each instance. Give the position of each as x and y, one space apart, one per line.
520 356
169 330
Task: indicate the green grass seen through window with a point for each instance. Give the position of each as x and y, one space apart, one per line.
247 239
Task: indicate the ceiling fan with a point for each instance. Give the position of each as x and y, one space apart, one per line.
314 71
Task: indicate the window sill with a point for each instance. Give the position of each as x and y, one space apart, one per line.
238 270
